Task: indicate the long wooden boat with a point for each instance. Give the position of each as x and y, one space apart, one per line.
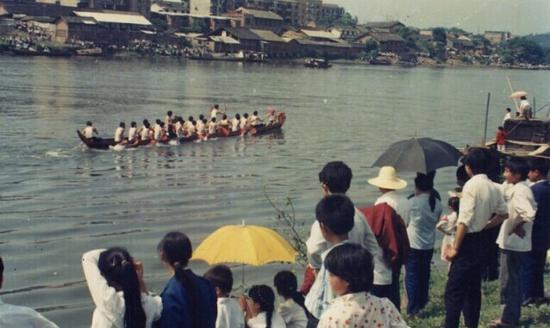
108 143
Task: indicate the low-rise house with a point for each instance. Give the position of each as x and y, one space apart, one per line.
256 40
10 8
45 24
426 34
75 28
387 42
387 27
253 18
321 36
497 37
324 49
347 33
117 20
331 12
461 43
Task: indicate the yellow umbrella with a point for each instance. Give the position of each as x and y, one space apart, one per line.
244 244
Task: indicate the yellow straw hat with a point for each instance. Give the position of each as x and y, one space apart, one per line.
387 179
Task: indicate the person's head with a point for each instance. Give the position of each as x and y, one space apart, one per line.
118 268
523 97
146 124
476 162
190 119
238 116
255 113
263 300
216 106
350 268
194 123
221 277
423 183
158 121
161 124
224 117
214 119
286 284
204 121
515 170
501 129
508 110
538 170
181 120
335 214
133 124
245 115
89 123
1 272
201 117
454 203
335 177
462 176
169 113
122 124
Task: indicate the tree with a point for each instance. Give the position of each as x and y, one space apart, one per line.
439 35
346 20
523 50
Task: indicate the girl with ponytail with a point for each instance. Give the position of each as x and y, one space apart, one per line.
259 308
292 310
118 291
189 301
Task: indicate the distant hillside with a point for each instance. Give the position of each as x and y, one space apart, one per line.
542 39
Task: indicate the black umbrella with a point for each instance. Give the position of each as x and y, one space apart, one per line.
419 155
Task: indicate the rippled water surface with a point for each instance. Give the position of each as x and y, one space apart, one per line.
58 199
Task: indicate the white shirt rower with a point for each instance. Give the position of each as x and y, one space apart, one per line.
144 134
119 134
200 125
132 134
244 123
214 112
235 125
212 127
157 129
89 132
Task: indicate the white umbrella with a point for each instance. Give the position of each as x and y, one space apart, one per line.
518 94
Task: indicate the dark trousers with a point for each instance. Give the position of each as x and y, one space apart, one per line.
490 265
417 279
532 274
510 286
463 291
392 291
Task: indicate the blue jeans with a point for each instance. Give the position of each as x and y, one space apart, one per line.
532 274
417 279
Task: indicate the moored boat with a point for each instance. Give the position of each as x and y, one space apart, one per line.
317 63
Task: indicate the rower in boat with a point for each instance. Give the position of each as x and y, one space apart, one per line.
163 135
119 134
224 123
235 123
202 130
255 120
192 130
132 133
157 129
212 127
244 123
89 130
178 126
145 132
200 123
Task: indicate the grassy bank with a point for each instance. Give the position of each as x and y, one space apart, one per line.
434 313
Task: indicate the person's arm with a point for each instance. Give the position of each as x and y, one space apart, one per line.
102 294
173 313
316 245
496 220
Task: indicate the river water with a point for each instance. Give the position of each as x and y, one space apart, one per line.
58 199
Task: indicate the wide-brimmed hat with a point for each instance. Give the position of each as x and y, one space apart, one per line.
387 179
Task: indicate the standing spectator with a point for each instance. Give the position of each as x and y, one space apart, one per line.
12 316
350 267
425 210
387 221
514 241
229 311
501 139
259 308
525 109
532 273
507 116
482 205
188 300
335 177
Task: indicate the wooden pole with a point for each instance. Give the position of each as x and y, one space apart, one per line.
484 140
534 110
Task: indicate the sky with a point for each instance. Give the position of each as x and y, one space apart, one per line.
520 17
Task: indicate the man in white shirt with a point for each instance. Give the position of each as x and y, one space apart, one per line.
119 133
89 130
132 133
514 240
482 206
507 116
12 316
214 111
525 109
335 178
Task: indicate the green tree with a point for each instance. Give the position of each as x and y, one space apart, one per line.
439 35
524 50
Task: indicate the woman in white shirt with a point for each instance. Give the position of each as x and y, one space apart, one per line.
118 291
259 308
292 310
351 276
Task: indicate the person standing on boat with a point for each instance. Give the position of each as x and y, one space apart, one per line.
119 133
214 111
501 139
168 118
507 116
89 130
525 109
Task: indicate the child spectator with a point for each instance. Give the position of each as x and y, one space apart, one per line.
292 310
351 276
501 139
447 225
229 312
259 308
